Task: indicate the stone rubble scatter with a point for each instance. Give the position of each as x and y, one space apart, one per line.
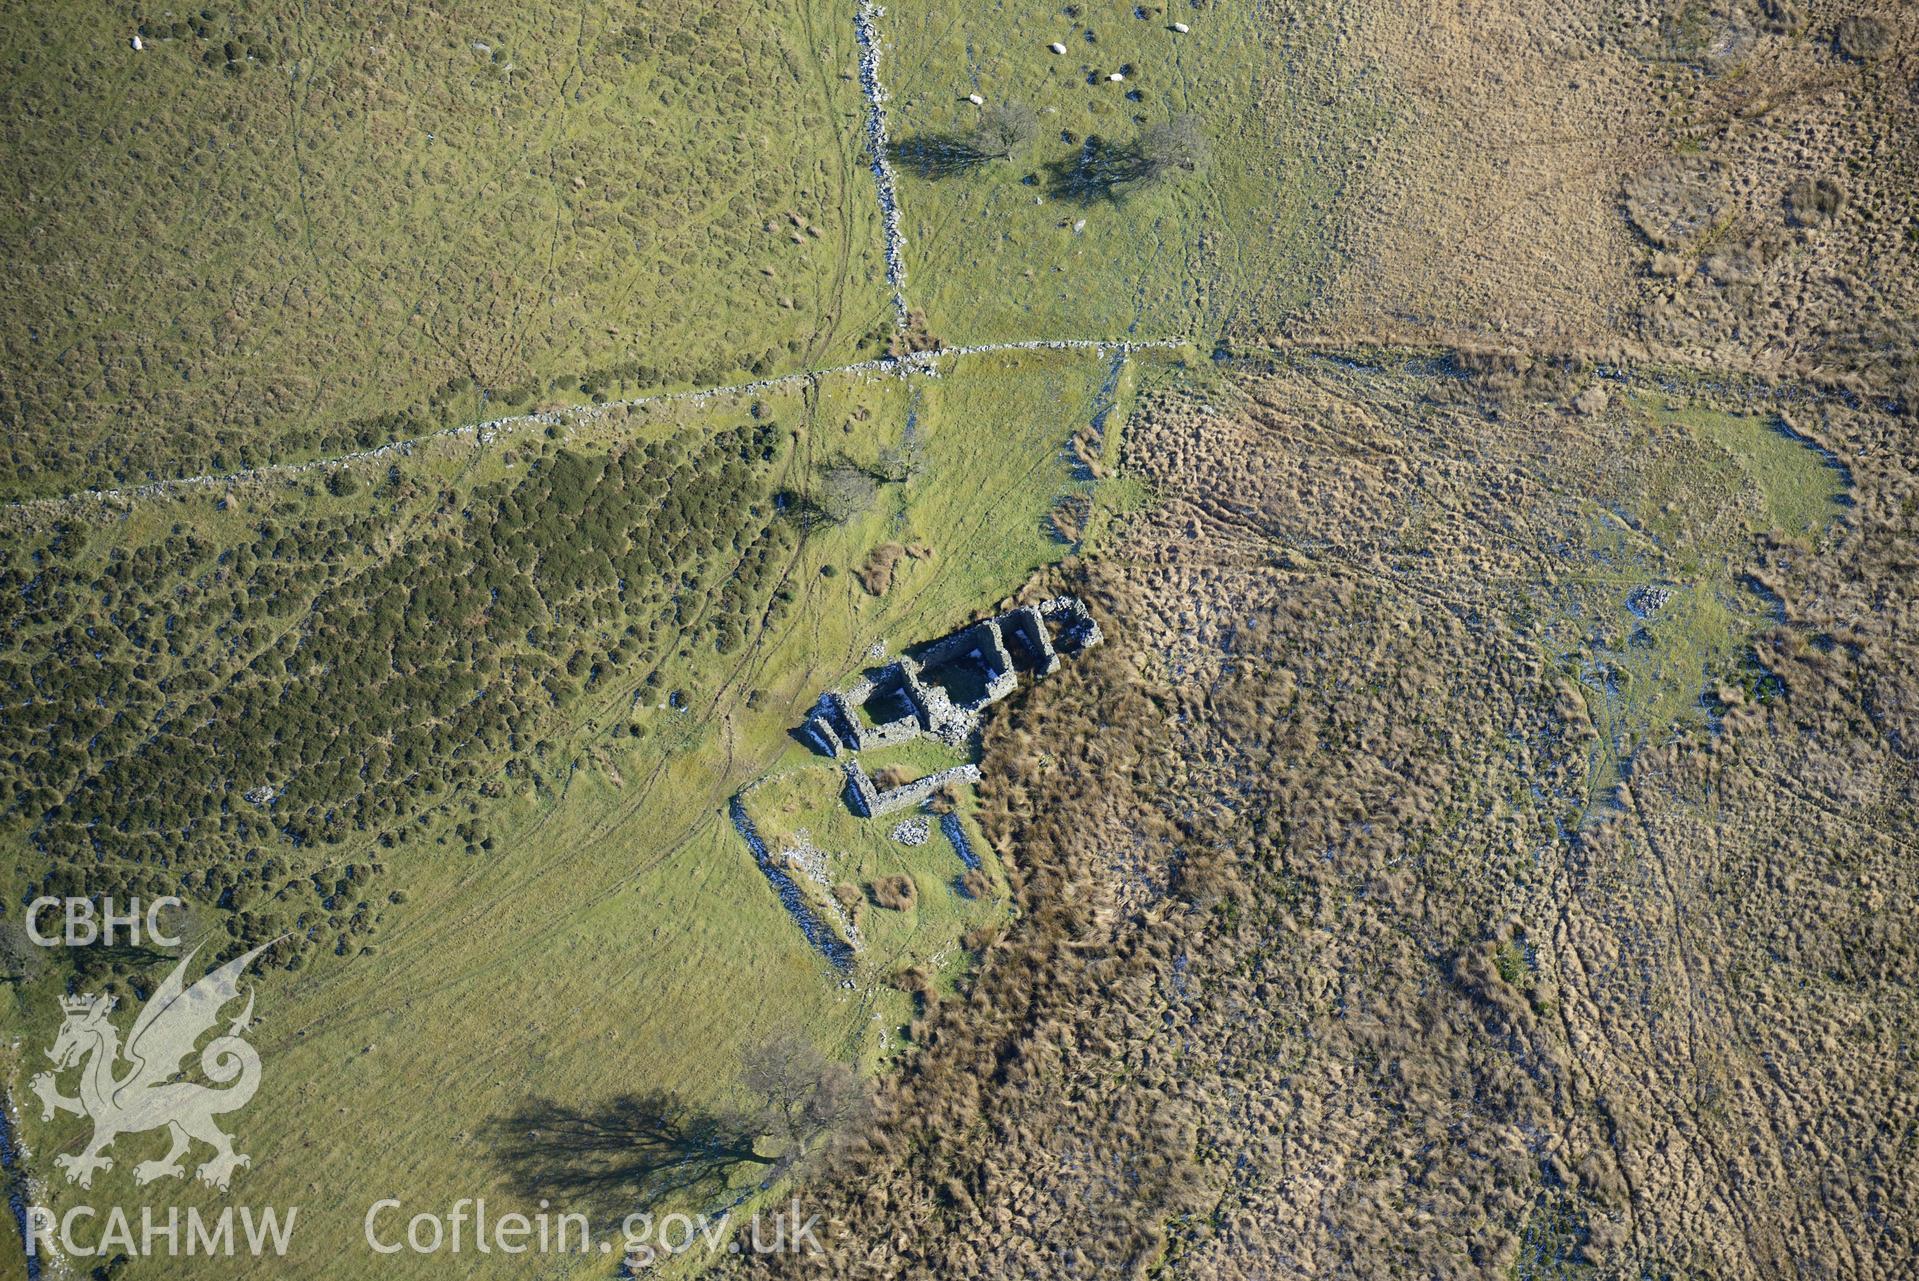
955 833
1649 600
809 861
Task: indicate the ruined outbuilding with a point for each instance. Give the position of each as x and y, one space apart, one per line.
940 689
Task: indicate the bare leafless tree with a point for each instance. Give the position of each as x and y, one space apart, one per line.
804 1097
844 492
1177 144
1004 129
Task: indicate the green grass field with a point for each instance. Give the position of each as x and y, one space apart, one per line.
376 220
619 936
357 227
805 806
1801 494
1684 519
996 253
503 687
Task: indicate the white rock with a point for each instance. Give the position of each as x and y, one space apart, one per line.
136 44
1057 47
976 100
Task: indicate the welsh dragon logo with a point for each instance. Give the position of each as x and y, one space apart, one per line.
147 1093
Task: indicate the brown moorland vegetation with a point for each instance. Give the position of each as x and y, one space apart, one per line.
1727 184
1336 958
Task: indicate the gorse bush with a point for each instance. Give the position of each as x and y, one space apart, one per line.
210 720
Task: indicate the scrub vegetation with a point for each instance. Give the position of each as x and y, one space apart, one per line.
1483 845
1360 927
557 894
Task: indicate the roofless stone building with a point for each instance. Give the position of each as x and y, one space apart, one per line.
939 689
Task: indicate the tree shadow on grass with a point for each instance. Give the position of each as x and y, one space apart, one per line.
936 155
1099 171
97 959
624 1155
1111 171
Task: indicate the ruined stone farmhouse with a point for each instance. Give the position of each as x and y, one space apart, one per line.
940 689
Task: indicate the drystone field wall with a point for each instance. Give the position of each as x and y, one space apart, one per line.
870 802
838 953
956 834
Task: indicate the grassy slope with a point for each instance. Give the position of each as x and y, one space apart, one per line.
622 938
212 267
1432 531
1239 245
808 801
